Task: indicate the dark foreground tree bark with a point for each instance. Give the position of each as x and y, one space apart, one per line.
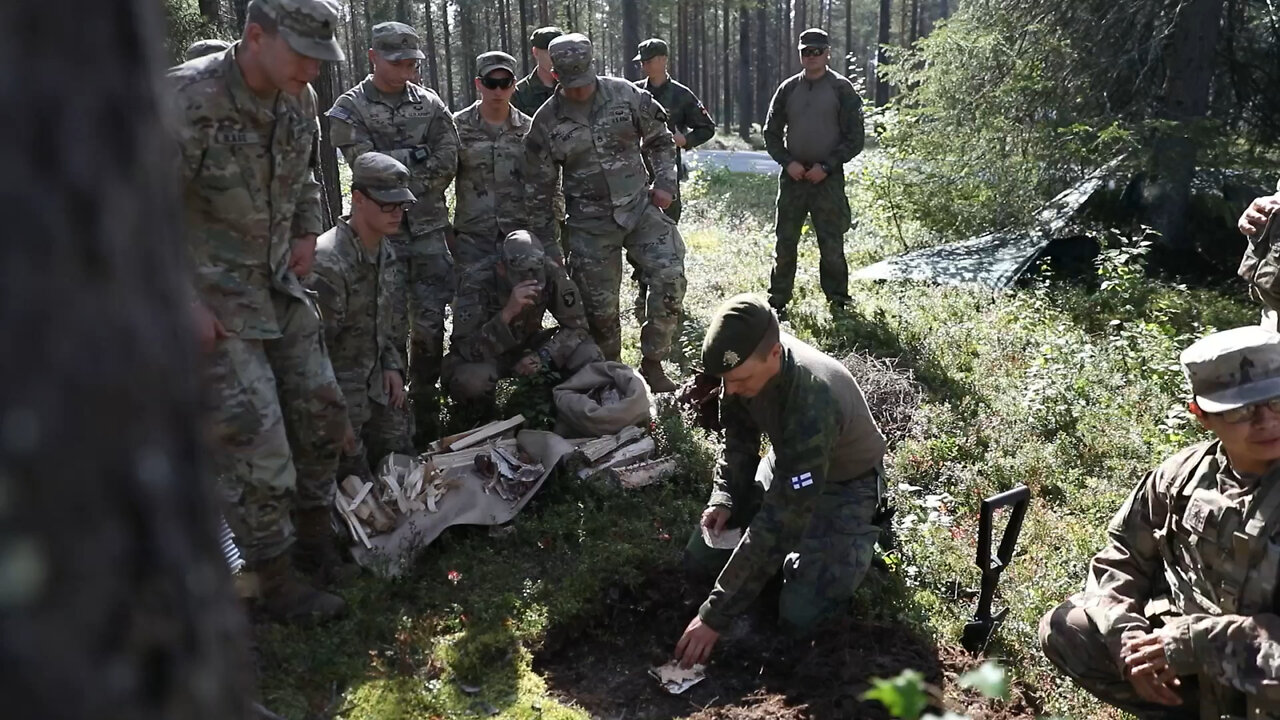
114 600
331 195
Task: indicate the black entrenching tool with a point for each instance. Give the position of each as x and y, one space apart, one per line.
978 632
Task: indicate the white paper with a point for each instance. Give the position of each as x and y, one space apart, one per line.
727 539
675 679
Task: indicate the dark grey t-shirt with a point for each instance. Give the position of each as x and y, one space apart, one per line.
813 119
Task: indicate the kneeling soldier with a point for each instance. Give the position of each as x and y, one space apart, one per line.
809 507
1178 615
497 322
356 278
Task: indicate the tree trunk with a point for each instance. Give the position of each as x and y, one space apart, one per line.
802 16
744 72
331 198
848 38
448 51
429 34
763 69
1189 69
944 9
524 37
630 37
116 600
704 54
368 35
210 10
239 6
914 32
467 36
402 12
725 77
882 87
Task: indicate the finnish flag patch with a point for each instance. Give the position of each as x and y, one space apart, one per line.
803 480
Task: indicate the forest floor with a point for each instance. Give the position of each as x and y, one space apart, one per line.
1069 387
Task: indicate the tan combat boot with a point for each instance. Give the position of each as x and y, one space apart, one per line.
288 598
315 552
652 372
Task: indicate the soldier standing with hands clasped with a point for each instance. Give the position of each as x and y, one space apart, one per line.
821 114
391 114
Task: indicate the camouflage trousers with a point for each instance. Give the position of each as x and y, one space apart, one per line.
828 207
1072 642
655 247
277 423
380 429
427 267
476 381
673 211
821 572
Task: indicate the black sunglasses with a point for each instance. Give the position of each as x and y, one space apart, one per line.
494 83
812 51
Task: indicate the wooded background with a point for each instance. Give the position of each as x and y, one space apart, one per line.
731 53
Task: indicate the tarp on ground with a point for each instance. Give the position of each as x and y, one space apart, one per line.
996 259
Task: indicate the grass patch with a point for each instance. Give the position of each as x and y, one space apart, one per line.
1072 390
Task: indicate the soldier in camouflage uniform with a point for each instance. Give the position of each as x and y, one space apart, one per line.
600 132
538 86
690 123
355 282
490 185
390 113
821 114
1252 223
1178 615
245 121
200 48
497 326
809 507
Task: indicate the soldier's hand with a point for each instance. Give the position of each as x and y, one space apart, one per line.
523 295
1255 216
349 440
1147 667
393 385
529 365
208 329
795 170
302 253
815 174
714 519
696 643
660 198
680 139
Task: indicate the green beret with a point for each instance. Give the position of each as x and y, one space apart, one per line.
735 332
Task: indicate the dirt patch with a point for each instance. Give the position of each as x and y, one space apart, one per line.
755 673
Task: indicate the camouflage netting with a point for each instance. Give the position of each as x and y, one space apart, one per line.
891 391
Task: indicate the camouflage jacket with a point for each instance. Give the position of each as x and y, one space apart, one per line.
602 157
1199 545
685 114
821 431
368 120
248 188
480 335
531 93
355 293
852 131
490 186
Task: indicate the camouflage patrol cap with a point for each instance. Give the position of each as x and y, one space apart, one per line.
382 178
307 25
815 37
1233 368
543 36
522 253
200 48
571 60
495 60
650 49
396 41
735 332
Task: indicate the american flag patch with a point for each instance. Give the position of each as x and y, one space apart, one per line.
802 480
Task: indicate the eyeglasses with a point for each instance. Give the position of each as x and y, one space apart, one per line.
813 51
387 208
1239 415
494 83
